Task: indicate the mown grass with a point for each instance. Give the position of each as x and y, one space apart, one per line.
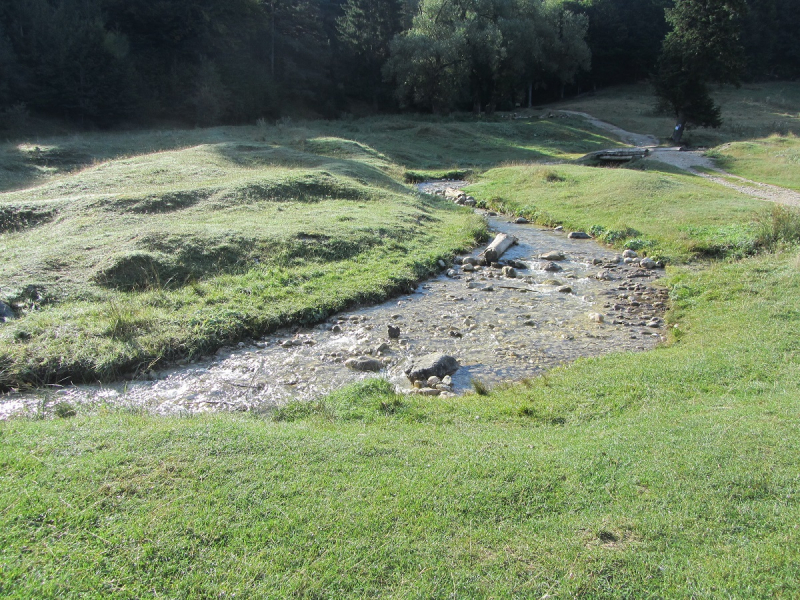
750 112
773 160
664 213
661 475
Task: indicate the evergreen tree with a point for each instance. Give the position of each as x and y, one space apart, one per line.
703 47
365 31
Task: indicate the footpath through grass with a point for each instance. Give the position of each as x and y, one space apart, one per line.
667 474
774 160
749 112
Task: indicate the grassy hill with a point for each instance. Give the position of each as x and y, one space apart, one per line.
670 473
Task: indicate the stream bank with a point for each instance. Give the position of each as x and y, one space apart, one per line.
501 325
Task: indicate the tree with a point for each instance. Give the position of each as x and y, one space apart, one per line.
365 31
624 37
703 47
484 51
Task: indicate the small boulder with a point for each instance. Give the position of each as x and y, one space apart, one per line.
468 268
565 289
521 221
509 272
579 235
629 254
364 363
393 332
551 267
552 255
432 365
597 317
647 263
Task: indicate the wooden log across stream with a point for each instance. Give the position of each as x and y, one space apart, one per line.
498 247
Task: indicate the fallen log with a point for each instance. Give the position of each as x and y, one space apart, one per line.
498 247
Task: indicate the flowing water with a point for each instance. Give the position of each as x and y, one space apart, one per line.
500 329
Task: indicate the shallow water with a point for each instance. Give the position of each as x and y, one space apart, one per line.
500 330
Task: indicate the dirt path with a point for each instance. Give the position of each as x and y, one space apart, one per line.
693 160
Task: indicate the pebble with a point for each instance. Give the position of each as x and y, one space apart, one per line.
597 317
426 391
565 289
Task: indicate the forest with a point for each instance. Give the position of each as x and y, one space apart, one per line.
104 63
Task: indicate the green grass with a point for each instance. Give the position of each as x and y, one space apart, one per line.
661 475
750 112
772 160
124 252
667 214
671 473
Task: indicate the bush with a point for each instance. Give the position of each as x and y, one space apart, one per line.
778 226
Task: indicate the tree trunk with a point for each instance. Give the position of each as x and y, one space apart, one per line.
498 247
677 133
530 95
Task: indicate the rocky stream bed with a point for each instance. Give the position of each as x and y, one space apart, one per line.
549 300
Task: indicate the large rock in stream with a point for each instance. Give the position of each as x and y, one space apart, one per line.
432 365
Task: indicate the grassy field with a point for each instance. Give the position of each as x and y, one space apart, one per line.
665 214
750 112
671 473
774 160
171 245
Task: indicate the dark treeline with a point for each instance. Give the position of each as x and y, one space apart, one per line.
106 62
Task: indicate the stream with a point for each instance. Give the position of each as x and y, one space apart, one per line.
499 328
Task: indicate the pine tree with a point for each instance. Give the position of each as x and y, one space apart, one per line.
703 47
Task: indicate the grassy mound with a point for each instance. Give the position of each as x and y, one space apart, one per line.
662 213
772 160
